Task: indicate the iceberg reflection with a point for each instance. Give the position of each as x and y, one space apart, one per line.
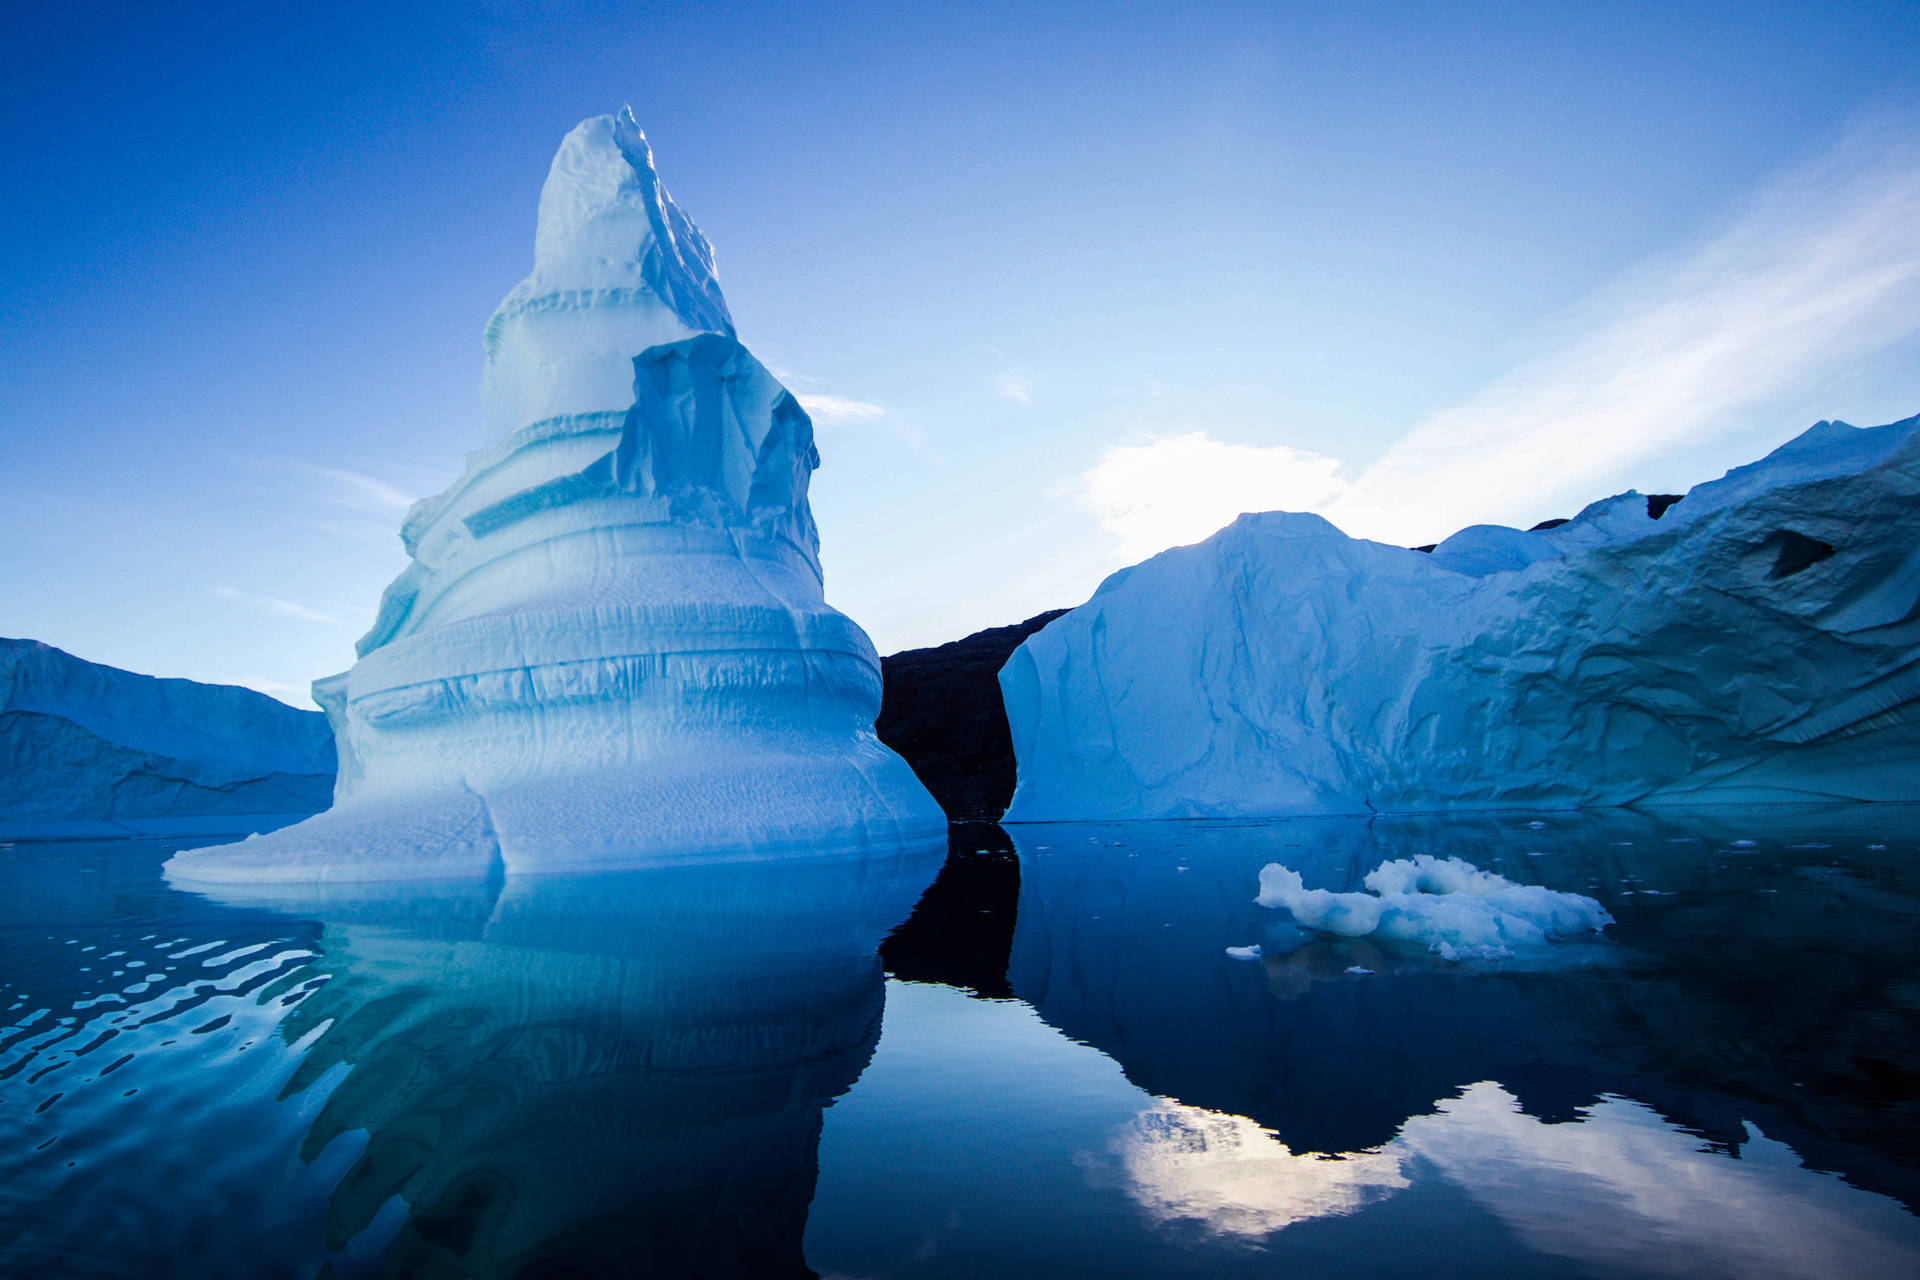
1720 1003
610 1075
1626 1191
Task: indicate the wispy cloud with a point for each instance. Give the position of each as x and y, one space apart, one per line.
839 410
1819 271
1017 387
361 491
275 605
843 411
1822 270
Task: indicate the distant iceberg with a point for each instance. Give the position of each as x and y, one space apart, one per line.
1757 641
88 751
611 646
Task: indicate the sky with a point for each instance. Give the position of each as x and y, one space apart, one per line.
1063 285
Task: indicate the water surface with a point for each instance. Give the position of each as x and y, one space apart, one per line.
1052 1067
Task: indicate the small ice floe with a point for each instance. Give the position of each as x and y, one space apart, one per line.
1449 906
1875 847
1746 844
1537 825
1362 971
1815 845
1536 853
1245 953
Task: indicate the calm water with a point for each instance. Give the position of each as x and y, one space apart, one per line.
1051 1068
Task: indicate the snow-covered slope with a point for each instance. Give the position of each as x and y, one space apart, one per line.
91 750
1759 641
611 646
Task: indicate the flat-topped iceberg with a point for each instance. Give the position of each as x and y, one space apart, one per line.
611 646
1757 641
88 750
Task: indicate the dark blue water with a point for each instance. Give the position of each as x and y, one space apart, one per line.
1051 1068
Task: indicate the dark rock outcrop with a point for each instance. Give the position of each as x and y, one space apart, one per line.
942 712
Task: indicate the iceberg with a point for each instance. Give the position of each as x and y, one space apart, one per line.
91 751
1447 905
1757 641
611 645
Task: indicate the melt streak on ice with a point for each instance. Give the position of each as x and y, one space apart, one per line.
611 647
1758 641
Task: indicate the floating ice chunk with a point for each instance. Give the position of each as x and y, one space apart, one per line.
1245 953
1449 906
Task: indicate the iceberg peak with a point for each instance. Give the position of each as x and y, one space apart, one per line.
617 267
605 218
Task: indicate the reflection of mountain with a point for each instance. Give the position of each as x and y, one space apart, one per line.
962 931
1760 985
607 1076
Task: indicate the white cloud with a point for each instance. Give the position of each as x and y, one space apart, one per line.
1016 387
1820 271
1178 489
1235 1178
276 606
839 410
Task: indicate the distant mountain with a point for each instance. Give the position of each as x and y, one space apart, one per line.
942 712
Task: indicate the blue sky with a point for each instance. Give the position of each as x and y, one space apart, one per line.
1065 284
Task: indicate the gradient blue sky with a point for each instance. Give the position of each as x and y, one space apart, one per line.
1064 284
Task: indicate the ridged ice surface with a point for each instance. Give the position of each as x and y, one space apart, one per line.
612 645
1758 642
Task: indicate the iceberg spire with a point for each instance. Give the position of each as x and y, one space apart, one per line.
611 644
617 267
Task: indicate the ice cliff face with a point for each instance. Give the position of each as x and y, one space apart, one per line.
92 750
1760 641
611 646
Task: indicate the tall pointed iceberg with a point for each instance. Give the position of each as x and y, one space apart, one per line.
611 646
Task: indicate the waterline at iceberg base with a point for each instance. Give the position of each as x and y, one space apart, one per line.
1757 641
611 647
